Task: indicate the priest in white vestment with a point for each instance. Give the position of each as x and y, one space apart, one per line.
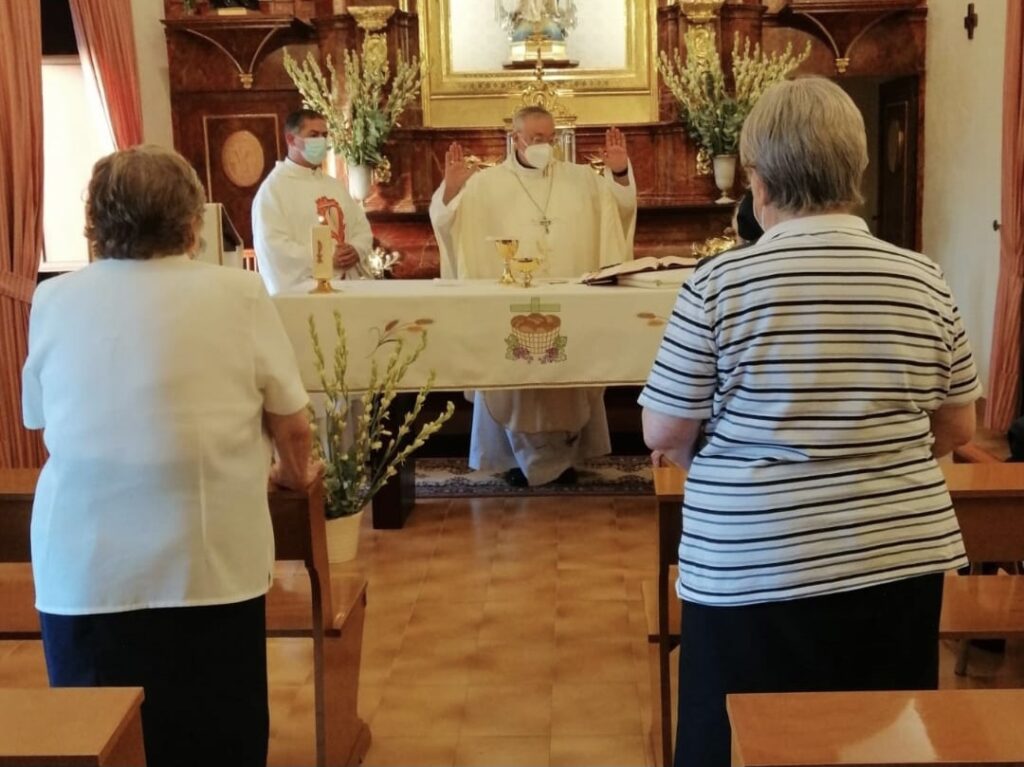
294 198
576 222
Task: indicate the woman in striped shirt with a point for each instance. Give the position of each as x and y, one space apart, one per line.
809 382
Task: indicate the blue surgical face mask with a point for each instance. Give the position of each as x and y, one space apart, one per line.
314 149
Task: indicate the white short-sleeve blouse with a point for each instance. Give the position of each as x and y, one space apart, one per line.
150 379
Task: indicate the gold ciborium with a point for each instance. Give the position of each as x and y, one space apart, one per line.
507 249
523 268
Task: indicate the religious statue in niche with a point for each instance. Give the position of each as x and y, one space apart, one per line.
537 29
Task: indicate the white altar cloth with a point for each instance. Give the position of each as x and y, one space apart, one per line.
481 335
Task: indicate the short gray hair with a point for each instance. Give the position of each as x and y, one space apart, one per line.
533 110
143 202
806 140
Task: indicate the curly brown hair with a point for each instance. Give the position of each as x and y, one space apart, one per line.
142 203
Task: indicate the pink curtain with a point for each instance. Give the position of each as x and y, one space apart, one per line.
106 45
21 215
1004 397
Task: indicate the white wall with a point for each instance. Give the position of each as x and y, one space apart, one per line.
963 151
154 86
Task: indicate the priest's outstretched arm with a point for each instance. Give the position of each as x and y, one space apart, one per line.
619 178
444 204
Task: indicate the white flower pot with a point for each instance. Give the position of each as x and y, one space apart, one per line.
360 178
343 537
725 176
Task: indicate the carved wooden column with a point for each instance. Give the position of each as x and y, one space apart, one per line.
669 38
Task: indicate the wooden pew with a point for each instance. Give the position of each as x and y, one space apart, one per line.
305 600
862 729
71 726
982 607
989 502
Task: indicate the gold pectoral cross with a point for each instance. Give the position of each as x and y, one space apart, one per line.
546 223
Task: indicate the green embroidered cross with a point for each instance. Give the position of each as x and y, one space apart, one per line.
535 306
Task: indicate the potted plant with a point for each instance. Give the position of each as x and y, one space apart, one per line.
713 116
360 123
360 447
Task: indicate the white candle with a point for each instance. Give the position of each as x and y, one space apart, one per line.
322 248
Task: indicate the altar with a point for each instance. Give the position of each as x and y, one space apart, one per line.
482 335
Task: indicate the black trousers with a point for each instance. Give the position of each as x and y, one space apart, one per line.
878 638
203 669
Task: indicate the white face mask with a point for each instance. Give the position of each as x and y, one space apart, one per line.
314 149
538 155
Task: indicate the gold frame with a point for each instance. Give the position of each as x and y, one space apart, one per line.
485 99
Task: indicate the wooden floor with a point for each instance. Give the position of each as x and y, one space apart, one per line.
499 631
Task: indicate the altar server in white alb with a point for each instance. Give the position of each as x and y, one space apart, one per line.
296 196
574 220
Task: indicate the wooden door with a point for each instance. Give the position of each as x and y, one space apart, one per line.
897 156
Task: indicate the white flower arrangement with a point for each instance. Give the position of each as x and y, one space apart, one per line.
356 468
713 116
360 124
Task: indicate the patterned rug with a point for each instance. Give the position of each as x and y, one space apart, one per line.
611 475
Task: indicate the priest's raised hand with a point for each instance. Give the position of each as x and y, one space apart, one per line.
456 171
616 156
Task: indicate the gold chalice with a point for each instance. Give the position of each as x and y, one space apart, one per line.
524 268
507 249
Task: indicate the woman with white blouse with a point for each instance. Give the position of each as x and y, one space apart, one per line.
162 385
808 382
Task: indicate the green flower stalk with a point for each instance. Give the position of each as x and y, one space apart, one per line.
356 469
713 116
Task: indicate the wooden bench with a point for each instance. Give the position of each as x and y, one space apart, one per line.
862 729
71 726
305 600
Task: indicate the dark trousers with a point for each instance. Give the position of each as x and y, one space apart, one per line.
203 669
878 638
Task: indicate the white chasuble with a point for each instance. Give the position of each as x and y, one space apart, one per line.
574 221
289 203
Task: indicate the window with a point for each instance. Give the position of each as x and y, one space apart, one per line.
75 136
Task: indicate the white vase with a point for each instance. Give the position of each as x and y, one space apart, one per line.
725 176
359 181
343 537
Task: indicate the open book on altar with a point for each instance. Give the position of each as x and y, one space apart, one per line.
649 271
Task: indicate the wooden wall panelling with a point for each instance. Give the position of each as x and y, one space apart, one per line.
229 97
240 151
876 37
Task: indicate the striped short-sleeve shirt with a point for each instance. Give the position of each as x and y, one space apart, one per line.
815 358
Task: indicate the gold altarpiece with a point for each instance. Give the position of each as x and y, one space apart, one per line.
466 86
